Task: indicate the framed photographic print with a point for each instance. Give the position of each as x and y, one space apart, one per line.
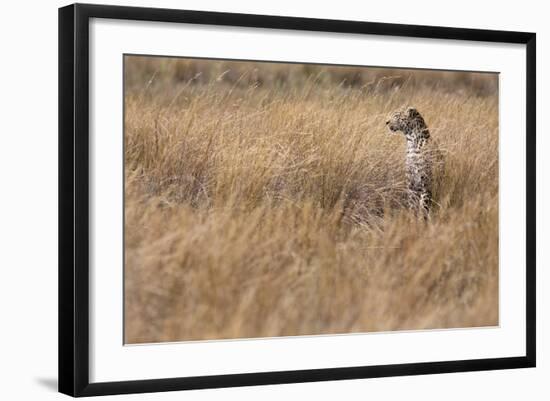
250 199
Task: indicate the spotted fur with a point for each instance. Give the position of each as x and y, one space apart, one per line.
419 158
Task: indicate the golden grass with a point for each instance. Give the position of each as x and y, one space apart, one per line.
234 192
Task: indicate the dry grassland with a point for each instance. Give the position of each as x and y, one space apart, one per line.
236 176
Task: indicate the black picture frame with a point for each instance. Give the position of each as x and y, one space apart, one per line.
74 199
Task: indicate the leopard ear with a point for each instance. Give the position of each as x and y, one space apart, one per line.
412 112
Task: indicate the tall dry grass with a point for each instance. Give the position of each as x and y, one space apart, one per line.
235 188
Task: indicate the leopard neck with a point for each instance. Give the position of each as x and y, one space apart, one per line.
417 138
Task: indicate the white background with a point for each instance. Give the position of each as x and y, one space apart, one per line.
28 205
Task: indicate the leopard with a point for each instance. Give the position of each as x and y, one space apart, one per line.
422 157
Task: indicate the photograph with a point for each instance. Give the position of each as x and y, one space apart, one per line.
269 199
